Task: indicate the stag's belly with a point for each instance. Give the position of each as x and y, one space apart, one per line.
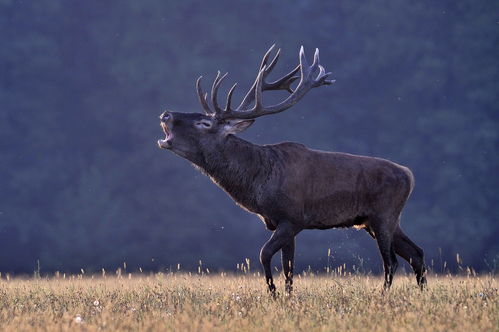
340 209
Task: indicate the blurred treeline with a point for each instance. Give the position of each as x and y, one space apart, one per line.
83 184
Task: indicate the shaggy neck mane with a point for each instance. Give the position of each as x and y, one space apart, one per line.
239 167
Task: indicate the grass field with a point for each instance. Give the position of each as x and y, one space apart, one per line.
183 302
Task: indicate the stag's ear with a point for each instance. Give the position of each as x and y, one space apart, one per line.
236 126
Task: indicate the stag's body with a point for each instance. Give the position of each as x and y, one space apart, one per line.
311 189
291 187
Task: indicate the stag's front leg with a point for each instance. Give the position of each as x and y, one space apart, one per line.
288 260
282 236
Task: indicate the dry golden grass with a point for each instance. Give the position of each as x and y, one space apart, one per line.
179 302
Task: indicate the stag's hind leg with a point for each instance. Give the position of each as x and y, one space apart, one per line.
288 261
383 234
413 254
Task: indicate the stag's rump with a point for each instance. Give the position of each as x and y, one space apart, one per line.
319 189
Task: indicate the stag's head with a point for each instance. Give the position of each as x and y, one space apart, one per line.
191 134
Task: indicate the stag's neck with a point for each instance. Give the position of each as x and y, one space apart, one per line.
239 167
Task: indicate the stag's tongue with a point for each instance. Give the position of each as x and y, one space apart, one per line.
164 143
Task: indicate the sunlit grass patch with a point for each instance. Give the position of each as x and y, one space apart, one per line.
183 302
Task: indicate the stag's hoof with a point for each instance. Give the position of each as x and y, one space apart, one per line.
272 290
422 283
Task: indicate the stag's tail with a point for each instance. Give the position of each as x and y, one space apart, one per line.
409 180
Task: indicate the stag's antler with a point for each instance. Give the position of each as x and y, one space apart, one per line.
309 78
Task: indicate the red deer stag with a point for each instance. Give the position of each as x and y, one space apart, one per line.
291 187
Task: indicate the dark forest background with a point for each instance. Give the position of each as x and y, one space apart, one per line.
83 184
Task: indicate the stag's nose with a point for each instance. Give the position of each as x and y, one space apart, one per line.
165 117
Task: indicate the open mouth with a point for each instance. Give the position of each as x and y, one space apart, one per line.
166 142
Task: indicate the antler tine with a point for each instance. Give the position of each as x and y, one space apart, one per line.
214 91
203 97
214 100
305 69
266 56
250 95
229 98
258 88
321 78
273 62
315 64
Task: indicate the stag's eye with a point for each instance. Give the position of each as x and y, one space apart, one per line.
203 124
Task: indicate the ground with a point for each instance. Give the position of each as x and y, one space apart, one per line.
208 302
